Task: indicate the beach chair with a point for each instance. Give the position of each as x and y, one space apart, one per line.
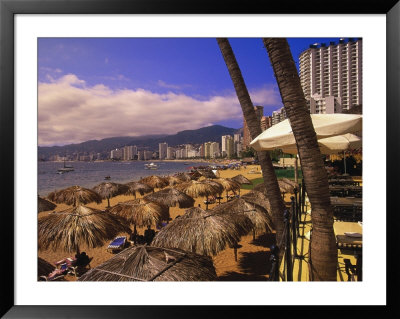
56 274
117 244
80 268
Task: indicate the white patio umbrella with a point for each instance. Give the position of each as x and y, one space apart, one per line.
326 125
332 145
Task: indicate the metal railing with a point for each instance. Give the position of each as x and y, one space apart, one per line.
292 220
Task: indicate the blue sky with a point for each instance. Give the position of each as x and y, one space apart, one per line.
92 88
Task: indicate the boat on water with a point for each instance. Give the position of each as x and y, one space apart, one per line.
108 177
150 166
65 169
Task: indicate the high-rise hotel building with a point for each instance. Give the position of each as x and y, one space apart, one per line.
331 75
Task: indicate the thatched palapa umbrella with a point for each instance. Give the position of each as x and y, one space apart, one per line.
258 198
197 189
185 177
141 212
258 215
206 173
284 187
136 187
171 197
154 181
229 185
147 263
290 182
45 205
241 180
74 195
44 267
173 180
108 189
78 226
201 232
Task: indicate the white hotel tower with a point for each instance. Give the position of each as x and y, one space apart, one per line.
331 76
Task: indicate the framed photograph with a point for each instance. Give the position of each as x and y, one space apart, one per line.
55 53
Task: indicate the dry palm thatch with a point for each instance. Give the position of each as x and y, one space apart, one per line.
206 173
74 195
258 215
154 181
228 184
141 212
44 267
108 189
147 263
258 198
136 187
184 177
284 187
290 182
173 180
77 226
195 175
45 205
216 183
241 179
171 197
201 232
196 189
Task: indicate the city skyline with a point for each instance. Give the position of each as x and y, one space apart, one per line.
99 88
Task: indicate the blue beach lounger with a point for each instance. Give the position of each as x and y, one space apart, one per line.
118 243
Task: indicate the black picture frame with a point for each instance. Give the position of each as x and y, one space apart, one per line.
8 8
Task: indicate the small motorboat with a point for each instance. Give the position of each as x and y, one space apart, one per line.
150 166
108 177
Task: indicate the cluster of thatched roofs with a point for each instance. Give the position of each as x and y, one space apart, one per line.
181 250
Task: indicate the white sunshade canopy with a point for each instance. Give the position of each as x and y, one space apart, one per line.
326 126
332 145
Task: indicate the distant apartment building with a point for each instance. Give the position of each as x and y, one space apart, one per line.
266 122
207 149
148 155
192 153
201 150
170 153
140 155
331 76
246 133
128 153
116 154
227 146
134 151
214 150
162 150
180 153
278 116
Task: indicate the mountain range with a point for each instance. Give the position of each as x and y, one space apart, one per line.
211 133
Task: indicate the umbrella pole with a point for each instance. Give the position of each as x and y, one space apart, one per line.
344 160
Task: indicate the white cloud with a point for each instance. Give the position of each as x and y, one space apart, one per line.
70 111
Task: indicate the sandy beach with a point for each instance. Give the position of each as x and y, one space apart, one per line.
252 263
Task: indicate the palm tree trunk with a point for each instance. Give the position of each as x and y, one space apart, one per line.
268 172
323 253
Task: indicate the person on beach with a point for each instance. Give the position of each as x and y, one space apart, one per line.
149 235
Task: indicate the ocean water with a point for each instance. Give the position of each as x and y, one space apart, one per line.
90 174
